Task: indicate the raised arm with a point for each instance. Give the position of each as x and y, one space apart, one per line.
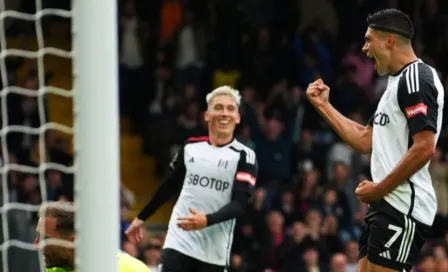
356 135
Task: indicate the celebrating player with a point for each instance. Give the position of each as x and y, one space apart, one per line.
216 175
57 221
401 135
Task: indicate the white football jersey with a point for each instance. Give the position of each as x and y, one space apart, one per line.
210 174
413 102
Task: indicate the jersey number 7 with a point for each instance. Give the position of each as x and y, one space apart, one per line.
406 241
394 237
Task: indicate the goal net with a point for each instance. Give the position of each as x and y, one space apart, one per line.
38 99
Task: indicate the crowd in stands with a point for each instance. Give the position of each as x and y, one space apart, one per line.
304 214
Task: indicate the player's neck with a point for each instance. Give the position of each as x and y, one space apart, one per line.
402 58
220 140
71 262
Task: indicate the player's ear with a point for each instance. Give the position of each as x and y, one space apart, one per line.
206 116
391 41
238 118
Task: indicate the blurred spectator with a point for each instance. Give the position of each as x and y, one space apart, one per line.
427 263
339 152
292 247
440 256
161 80
273 152
314 239
331 234
439 174
188 124
312 54
308 191
287 206
351 251
330 206
311 261
307 149
338 263
349 95
272 239
259 60
170 19
246 138
28 185
272 132
58 149
236 263
345 187
151 255
360 69
322 12
134 35
54 184
189 48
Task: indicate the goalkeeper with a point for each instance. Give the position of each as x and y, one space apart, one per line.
57 220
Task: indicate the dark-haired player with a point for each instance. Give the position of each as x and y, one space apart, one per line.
57 221
215 176
401 135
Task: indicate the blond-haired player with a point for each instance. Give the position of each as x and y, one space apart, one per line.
215 175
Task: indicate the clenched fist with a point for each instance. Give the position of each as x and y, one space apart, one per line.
318 93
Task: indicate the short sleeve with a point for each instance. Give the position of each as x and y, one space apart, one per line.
247 171
417 98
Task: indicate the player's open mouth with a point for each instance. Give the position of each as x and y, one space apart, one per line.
374 60
224 122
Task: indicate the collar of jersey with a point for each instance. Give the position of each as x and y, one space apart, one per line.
233 138
404 67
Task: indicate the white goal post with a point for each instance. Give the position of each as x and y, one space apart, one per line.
96 130
94 26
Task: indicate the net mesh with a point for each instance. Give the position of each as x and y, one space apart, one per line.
27 53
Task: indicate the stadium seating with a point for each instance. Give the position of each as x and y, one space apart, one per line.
138 174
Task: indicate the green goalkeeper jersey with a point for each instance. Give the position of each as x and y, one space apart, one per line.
57 269
126 263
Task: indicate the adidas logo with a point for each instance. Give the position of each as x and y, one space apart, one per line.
385 254
191 159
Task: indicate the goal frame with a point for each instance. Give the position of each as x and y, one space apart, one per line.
96 122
